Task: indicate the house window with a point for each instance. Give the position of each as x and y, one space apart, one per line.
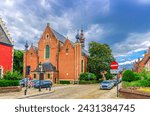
47 36
49 76
34 76
67 50
1 72
27 70
82 66
47 51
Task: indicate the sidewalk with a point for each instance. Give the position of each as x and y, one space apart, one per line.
30 92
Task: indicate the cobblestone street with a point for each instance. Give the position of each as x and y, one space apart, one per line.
79 92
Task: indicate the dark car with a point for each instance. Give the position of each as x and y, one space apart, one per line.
115 82
43 84
107 84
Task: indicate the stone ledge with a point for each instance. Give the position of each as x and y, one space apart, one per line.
10 89
133 94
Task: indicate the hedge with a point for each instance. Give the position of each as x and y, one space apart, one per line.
64 82
12 75
6 83
87 76
88 82
139 83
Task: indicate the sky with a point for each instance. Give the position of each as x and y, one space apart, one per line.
122 24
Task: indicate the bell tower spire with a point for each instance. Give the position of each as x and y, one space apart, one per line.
82 38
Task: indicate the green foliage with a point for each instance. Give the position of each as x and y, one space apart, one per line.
5 83
137 76
109 76
88 82
12 75
144 73
139 83
100 58
18 61
64 82
87 76
128 76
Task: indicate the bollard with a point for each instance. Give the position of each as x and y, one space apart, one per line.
25 92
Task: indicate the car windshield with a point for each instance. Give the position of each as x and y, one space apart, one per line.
106 82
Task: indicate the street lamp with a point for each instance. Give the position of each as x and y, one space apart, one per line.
40 71
25 79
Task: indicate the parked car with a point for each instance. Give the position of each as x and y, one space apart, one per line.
43 84
115 82
107 84
33 82
23 82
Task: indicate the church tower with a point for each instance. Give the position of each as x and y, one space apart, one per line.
78 51
82 39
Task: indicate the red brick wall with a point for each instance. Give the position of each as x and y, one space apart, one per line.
30 59
78 60
53 44
6 56
67 62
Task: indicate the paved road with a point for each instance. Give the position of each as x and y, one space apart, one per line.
79 92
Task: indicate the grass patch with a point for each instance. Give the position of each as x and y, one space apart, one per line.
139 83
144 90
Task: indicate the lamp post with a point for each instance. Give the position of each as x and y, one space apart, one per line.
40 71
25 79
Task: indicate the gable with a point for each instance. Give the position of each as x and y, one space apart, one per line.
67 45
4 36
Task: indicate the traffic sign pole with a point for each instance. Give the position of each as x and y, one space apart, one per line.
117 86
114 70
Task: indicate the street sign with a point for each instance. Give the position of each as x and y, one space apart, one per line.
114 65
114 71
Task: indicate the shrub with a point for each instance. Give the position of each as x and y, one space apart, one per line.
12 75
145 73
5 83
109 76
137 76
139 83
64 82
128 76
87 76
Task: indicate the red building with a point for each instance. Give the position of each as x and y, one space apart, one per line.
62 59
6 50
143 63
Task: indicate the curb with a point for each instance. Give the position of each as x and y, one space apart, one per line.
40 94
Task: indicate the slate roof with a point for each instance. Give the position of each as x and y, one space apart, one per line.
4 35
59 36
63 39
35 48
47 67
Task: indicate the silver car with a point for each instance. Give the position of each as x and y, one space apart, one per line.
107 84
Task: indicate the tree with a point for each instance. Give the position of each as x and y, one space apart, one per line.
18 61
99 59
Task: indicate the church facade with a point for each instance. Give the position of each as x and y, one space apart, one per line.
60 58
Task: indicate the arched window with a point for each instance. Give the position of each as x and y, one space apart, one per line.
47 51
82 66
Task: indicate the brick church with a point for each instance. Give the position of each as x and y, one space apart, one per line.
59 57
